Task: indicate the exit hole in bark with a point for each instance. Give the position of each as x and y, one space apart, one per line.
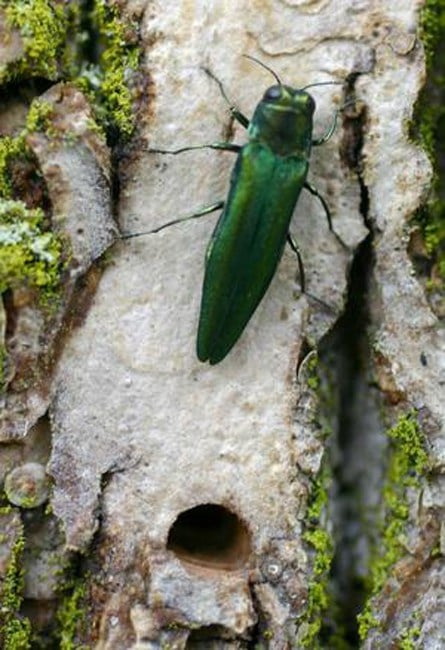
210 536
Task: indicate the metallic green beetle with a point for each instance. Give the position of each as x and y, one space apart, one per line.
251 233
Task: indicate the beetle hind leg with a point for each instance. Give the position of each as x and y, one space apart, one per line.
293 244
221 146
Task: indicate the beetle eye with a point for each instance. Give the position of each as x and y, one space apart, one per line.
274 92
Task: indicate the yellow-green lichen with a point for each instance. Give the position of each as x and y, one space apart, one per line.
320 542
28 253
42 25
15 630
119 57
408 462
27 485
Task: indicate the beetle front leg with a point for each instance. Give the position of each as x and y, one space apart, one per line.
236 113
239 117
326 136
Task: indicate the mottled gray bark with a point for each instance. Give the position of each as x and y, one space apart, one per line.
142 433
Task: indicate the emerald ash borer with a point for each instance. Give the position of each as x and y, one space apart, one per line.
249 238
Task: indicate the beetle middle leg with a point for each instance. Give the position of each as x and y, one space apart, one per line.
222 146
201 213
313 190
225 146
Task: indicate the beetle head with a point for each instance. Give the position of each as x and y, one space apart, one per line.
283 120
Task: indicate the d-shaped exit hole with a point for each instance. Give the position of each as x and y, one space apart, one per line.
210 536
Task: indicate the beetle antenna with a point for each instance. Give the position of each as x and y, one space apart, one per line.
323 83
263 65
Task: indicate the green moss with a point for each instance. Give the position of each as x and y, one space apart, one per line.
43 26
428 113
118 59
408 638
14 149
408 463
3 366
319 499
71 615
430 129
432 24
28 254
367 622
320 542
10 150
39 116
76 36
313 380
50 51
318 598
15 631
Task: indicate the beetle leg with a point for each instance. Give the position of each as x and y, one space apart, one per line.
313 190
326 136
330 130
224 146
236 113
207 210
240 117
293 244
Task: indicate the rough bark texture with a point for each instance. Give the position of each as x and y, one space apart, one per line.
193 502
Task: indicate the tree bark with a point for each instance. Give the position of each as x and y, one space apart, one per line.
268 500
